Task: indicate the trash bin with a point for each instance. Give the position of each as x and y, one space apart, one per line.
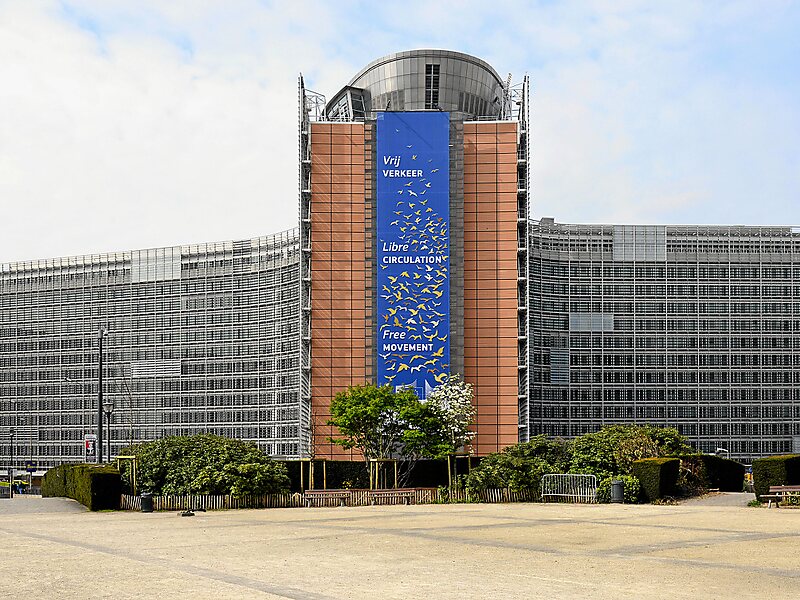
147 502
617 491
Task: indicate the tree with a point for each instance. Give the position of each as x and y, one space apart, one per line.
382 423
387 424
452 401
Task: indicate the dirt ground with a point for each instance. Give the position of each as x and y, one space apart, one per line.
55 549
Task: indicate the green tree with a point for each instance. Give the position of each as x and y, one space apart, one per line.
206 464
383 423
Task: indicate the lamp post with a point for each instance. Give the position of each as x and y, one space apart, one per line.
108 408
103 332
11 468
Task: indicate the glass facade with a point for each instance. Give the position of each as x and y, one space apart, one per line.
201 338
423 80
692 327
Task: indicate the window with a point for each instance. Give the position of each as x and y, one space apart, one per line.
431 86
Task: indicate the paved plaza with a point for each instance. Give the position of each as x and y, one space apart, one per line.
53 548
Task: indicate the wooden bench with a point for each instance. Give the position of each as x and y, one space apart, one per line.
404 494
341 495
779 493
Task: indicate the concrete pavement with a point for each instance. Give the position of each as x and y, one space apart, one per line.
456 551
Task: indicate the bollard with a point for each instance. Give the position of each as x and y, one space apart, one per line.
617 491
147 502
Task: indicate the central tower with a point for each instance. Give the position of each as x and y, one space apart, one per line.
414 206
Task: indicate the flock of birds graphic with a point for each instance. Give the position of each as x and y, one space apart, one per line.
415 298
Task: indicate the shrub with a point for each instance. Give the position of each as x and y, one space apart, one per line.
775 470
632 489
97 487
711 471
612 450
521 466
207 464
658 476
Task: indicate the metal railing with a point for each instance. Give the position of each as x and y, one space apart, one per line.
569 488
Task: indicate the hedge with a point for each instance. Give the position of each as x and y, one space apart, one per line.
658 476
775 470
354 473
97 487
715 472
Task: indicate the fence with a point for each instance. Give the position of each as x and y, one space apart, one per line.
569 488
358 497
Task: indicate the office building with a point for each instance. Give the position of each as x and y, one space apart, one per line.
693 327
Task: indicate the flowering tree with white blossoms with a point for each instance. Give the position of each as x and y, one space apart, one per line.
452 401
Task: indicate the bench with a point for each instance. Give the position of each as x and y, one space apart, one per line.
341 495
779 493
404 494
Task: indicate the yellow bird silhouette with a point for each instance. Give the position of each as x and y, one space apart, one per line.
404 274
392 279
433 361
438 293
433 335
416 337
441 377
403 367
441 339
404 287
439 352
389 378
397 322
392 311
415 357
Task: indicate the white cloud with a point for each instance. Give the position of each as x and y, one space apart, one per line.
134 124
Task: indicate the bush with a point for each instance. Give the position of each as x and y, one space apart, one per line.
612 450
206 464
632 489
711 471
775 470
520 467
658 476
97 487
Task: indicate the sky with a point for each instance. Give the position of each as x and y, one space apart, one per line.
143 123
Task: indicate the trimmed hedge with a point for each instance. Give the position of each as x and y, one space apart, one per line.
714 471
354 474
658 476
97 487
775 470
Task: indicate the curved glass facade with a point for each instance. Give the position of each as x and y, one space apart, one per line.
422 80
683 326
203 338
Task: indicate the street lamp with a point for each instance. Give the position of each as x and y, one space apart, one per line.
103 332
11 468
108 408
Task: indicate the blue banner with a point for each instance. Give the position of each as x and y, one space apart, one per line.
413 231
